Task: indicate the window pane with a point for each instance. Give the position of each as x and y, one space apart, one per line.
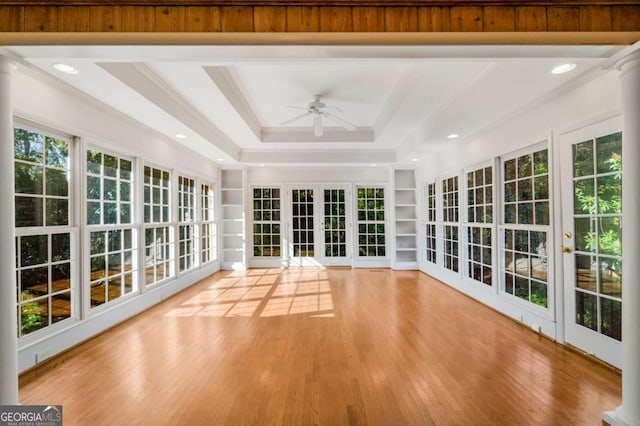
28 145
57 183
609 153
125 213
97 242
524 166
586 272
586 310
610 318
584 196
57 212
541 162
60 247
583 159
60 277
93 213
28 179
109 191
93 188
57 154
29 211
110 165
125 191
510 169
110 213
60 307
34 315
94 162
610 277
34 282
34 250
610 194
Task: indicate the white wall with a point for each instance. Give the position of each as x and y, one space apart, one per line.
345 174
593 101
47 102
573 108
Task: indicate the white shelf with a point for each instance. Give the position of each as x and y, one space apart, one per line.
231 179
406 219
406 256
405 178
232 198
233 218
406 197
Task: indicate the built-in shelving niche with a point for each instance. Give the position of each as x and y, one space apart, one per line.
406 219
233 220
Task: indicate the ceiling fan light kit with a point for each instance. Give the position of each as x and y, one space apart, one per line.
317 109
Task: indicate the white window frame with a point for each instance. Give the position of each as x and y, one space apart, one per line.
72 228
170 224
549 311
89 228
430 221
280 222
385 222
212 235
466 224
188 222
442 223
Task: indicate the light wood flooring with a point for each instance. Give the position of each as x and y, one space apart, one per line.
327 347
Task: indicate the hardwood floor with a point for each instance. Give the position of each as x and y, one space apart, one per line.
329 347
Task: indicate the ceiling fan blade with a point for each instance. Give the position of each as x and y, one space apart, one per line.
335 108
297 117
317 125
340 121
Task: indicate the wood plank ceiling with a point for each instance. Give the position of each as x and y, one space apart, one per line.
315 16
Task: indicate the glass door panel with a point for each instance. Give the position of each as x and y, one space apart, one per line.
592 243
319 223
334 224
303 223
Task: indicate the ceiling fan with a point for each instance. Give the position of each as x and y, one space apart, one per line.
317 109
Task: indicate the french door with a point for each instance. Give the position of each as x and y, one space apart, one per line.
319 225
592 236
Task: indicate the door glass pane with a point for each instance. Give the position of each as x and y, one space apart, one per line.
586 310
335 233
303 237
597 184
586 276
583 159
610 318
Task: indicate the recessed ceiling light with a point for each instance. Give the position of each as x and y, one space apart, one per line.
561 69
453 136
219 160
415 159
372 165
67 69
261 164
180 136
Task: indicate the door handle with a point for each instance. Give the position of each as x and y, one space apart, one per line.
566 249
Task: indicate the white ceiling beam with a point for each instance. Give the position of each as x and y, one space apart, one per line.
141 79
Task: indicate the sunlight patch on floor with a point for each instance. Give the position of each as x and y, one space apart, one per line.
262 293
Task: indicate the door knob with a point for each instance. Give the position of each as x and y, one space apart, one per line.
566 249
